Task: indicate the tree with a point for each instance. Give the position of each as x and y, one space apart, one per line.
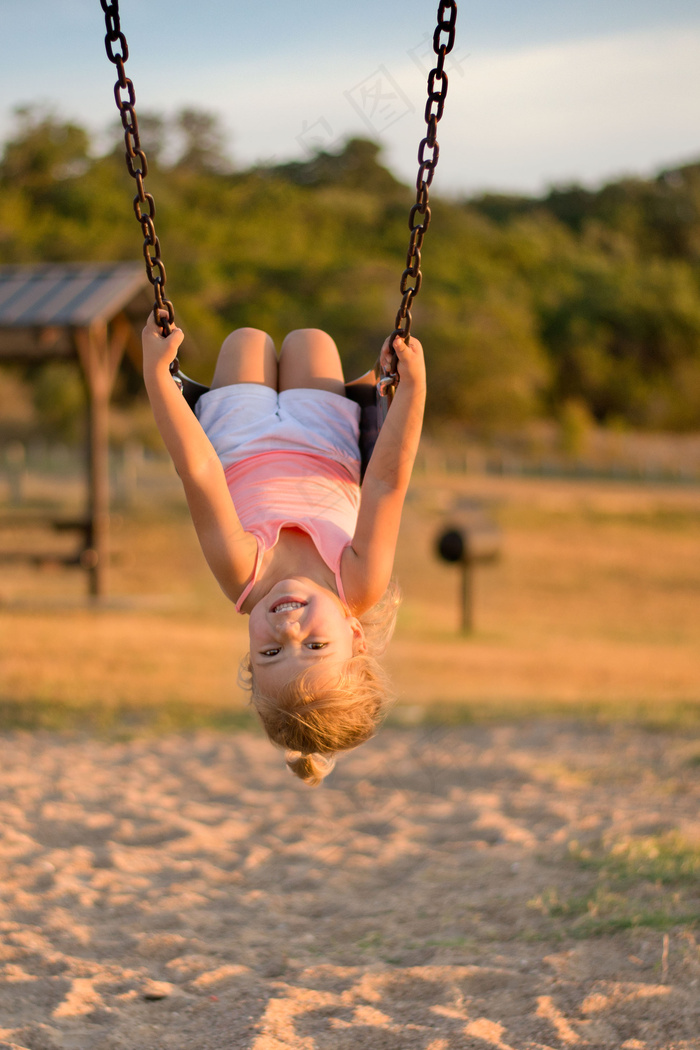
355 166
203 142
44 152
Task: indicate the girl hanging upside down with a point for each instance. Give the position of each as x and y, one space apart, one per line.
271 468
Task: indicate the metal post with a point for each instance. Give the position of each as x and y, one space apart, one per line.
467 597
468 543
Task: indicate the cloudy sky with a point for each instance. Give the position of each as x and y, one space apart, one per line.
540 93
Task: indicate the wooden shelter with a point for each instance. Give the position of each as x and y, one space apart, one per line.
92 313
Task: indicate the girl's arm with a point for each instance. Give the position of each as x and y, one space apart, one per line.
367 564
229 550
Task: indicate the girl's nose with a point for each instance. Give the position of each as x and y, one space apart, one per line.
288 628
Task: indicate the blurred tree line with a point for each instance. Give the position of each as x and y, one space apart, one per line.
580 304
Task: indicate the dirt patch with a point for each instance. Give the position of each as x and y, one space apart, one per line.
520 887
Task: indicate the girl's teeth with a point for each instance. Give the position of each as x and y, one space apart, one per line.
286 606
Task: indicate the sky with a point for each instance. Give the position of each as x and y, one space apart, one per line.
540 94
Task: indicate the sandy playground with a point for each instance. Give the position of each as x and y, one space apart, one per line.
522 887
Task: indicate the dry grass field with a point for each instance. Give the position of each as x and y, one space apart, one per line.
594 606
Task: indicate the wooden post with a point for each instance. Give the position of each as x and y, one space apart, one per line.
16 461
100 359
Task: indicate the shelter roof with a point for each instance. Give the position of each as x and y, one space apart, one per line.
69 294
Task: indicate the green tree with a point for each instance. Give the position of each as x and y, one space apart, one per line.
356 165
581 297
43 154
203 142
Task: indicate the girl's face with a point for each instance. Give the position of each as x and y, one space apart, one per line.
297 626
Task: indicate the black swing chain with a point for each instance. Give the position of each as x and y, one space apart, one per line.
137 166
163 308
443 42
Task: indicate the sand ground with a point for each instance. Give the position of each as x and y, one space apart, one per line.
514 886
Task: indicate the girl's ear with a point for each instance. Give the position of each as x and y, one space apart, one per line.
359 645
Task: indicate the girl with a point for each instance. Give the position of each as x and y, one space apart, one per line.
270 468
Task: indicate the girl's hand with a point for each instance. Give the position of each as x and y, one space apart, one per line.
157 348
411 366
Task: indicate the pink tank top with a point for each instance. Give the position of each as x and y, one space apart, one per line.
276 490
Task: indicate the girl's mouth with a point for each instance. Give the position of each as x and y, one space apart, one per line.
287 605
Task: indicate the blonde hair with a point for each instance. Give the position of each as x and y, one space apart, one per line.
312 719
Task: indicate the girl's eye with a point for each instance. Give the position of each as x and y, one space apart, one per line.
316 645
269 652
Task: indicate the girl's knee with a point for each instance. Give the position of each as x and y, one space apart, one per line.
247 355
308 340
310 358
306 335
241 337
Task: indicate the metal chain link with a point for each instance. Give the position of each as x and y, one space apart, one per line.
137 166
443 42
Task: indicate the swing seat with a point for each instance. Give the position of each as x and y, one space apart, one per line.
191 389
362 391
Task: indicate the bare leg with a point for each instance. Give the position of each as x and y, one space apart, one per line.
246 356
309 359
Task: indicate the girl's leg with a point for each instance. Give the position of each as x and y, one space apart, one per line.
309 359
246 356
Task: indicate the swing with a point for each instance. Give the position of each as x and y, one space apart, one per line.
374 390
